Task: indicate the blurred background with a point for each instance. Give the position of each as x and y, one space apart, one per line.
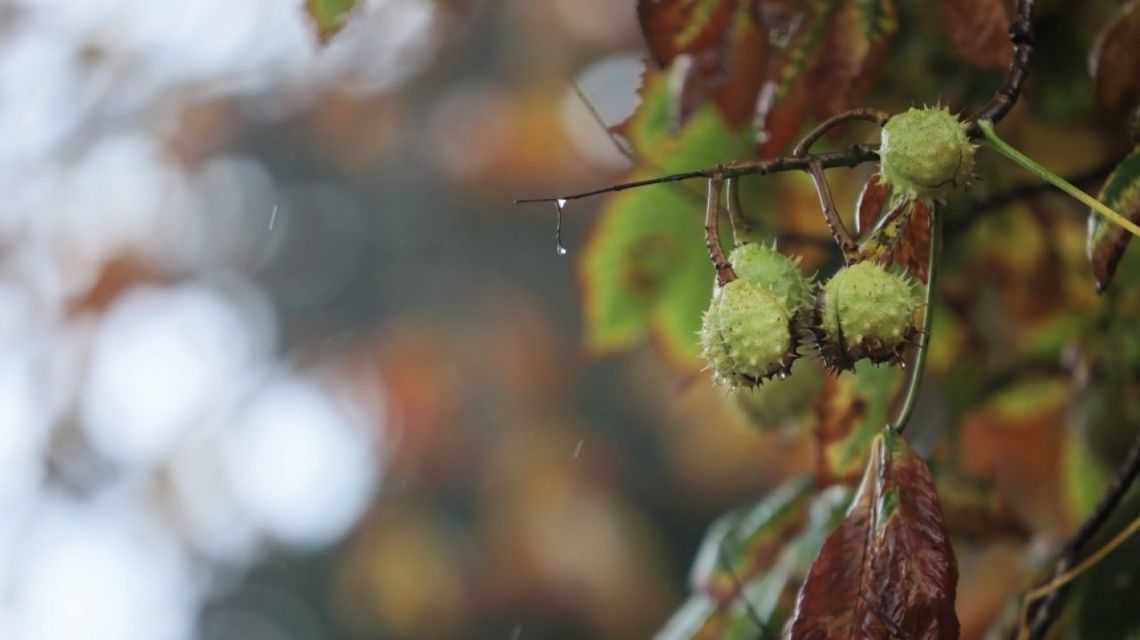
280 359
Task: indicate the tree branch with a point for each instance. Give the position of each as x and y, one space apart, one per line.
1021 35
839 231
855 156
740 227
1126 475
724 272
870 115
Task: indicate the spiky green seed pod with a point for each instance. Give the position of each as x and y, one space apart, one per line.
925 153
865 311
747 336
778 403
764 266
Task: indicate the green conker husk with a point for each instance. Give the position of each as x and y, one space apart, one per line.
925 153
865 311
748 335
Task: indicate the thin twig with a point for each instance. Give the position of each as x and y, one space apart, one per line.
1044 615
1088 563
724 272
1031 165
740 227
619 144
871 115
738 587
1021 35
903 417
831 214
852 157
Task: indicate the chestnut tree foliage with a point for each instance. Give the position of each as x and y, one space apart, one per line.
1027 415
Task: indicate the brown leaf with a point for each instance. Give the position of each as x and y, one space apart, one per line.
781 121
851 55
727 50
907 243
871 204
1115 59
913 250
851 411
978 31
888 571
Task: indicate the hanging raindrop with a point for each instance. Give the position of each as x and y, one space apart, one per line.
559 205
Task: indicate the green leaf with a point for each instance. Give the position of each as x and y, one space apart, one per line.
752 562
856 408
1106 240
645 268
329 16
742 544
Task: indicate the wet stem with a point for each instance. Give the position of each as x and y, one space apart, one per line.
900 422
1028 164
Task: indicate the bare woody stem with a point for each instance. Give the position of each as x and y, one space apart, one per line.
1126 475
1021 35
839 232
870 115
854 156
724 272
740 227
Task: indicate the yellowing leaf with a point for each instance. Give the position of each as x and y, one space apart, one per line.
1107 241
853 409
753 560
645 269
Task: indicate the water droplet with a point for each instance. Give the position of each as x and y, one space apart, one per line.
578 450
559 205
783 375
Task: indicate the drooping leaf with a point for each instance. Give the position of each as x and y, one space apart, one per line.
1115 59
742 544
1107 241
328 17
978 30
852 410
725 45
888 571
756 542
645 268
